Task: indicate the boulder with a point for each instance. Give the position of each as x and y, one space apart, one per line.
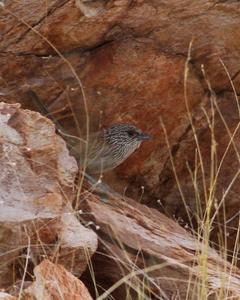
36 191
53 282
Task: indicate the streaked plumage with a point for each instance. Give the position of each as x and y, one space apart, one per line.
106 149
110 147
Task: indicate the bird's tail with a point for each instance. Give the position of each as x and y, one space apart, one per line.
41 108
71 141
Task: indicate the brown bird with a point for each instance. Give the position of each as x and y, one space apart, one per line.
104 150
109 148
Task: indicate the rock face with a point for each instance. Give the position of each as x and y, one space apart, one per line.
54 282
36 191
145 243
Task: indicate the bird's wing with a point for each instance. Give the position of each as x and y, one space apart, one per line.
96 149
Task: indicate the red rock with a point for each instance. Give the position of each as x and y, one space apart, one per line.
53 282
137 241
36 191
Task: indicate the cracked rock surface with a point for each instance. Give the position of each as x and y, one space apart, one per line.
36 191
54 282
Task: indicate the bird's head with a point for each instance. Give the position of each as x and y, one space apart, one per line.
125 135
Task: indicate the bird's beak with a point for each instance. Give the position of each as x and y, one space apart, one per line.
144 137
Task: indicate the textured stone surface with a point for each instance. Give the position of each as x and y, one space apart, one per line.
36 191
53 282
137 240
5 296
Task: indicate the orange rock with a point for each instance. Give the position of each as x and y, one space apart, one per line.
139 242
54 282
36 191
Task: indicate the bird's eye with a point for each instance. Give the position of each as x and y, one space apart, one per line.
131 133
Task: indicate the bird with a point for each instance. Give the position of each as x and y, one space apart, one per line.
104 150
109 148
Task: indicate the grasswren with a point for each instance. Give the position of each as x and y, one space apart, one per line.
109 148
104 150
